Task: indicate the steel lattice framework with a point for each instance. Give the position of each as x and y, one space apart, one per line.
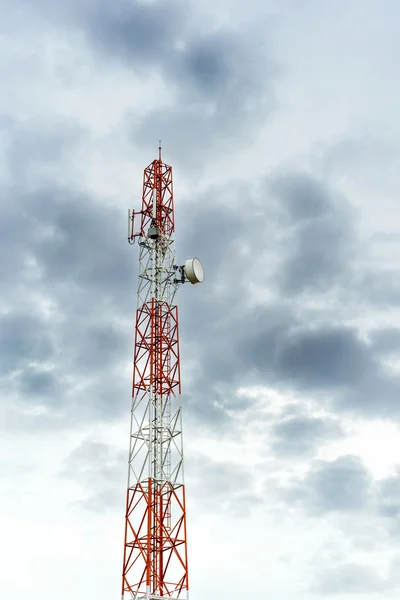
155 554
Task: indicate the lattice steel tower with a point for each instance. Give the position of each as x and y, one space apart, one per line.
155 563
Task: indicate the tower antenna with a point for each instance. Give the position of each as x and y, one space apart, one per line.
155 562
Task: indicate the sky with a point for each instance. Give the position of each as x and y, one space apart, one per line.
281 122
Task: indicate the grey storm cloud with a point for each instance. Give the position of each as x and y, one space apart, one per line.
100 470
343 485
324 357
302 197
332 361
378 288
221 87
386 341
388 497
217 226
222 486
350 578
81 249
82 270
36 382
71 235
141 34
222 80
24 339
34 148
298 435
283 343
277 347
319 237
165 38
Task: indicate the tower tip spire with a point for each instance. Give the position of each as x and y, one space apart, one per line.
159 149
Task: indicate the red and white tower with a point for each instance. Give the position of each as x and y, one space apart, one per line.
155 563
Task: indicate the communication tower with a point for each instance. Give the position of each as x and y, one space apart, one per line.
155 563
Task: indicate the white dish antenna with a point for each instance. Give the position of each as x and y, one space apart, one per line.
194 270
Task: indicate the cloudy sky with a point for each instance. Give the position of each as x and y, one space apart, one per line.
281 121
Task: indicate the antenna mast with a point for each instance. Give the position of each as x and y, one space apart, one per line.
155 564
